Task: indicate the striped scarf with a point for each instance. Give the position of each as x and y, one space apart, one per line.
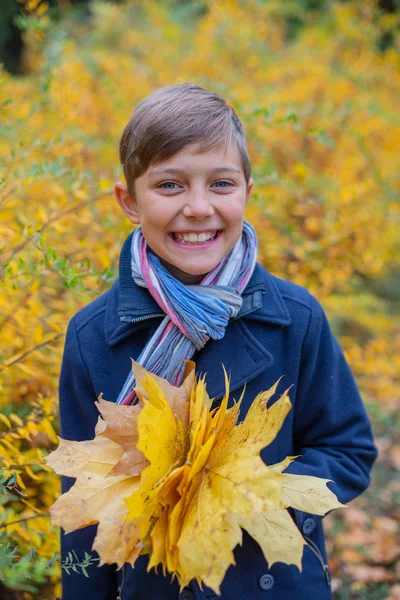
194 313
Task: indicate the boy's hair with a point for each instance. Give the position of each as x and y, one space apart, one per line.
173 117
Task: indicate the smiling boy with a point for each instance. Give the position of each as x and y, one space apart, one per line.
189 287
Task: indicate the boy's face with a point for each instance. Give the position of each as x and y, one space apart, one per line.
191 208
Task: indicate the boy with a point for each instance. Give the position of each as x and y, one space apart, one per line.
189 287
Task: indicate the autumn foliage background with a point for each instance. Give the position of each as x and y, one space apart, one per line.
317 92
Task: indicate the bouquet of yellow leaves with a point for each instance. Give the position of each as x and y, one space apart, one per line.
173 478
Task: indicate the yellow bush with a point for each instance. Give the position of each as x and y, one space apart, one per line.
321 116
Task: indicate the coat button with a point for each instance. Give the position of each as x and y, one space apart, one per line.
266 582
186 595
308 526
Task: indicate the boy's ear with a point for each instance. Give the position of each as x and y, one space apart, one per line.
126 202
249 188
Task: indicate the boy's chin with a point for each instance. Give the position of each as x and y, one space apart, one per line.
188 278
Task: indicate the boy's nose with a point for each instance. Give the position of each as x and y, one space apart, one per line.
198 207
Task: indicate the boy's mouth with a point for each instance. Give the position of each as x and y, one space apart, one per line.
195 238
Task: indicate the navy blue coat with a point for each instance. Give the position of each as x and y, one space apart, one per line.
280 330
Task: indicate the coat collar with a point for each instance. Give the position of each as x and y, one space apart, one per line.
129 306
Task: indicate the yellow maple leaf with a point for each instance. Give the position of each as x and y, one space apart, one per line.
178 480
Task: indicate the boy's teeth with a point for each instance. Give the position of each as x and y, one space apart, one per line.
195 238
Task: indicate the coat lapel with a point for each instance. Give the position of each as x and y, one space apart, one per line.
238 347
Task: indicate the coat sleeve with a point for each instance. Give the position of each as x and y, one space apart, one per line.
332 430
78 416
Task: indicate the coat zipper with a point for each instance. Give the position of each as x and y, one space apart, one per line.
320 558
128 319
119 596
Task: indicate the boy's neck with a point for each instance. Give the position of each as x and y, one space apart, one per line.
185 278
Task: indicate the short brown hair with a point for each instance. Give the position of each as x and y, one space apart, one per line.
173 117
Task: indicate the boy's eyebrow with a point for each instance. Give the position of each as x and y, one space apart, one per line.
172 171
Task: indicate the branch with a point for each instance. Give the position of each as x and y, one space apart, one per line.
43 516
16 359
56 217
22 465
7 318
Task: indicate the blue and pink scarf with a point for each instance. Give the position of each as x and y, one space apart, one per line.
193 313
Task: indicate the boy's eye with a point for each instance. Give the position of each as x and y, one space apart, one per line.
225 183
168 185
